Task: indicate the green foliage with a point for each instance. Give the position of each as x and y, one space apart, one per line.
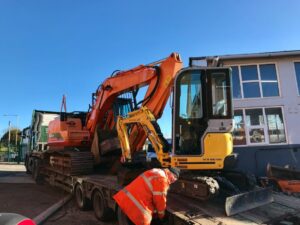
3 148
14 133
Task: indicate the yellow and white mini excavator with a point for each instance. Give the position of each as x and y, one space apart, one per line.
202 145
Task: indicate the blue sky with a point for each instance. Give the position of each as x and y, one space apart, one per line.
54 47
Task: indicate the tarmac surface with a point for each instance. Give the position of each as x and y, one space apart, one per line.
14 174
70 214
20 194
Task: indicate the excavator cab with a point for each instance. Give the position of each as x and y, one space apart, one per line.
202 122
202 118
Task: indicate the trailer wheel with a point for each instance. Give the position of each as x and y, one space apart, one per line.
27 165
123 219
101 209
81 201
36 171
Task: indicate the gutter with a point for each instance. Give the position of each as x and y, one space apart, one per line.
246 56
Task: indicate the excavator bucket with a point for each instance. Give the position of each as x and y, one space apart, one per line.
248 200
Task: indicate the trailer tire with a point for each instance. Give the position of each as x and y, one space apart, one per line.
81 201
36 171
27 165
122 218
101 209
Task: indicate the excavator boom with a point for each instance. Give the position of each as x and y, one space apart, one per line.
159 77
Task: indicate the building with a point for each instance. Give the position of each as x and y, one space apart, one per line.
266 93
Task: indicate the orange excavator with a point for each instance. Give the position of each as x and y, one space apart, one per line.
95 137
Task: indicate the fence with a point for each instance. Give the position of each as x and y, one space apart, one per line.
11 154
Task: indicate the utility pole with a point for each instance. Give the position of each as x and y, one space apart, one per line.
18 148
17 130
8 159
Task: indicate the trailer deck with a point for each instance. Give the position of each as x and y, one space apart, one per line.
284 210
183 210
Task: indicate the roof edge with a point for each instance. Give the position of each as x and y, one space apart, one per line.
251 55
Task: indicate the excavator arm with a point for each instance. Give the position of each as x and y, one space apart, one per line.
159 76
111 88
145 118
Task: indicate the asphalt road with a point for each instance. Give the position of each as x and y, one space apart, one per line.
70 214
19 194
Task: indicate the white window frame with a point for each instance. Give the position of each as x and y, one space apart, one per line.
240 84
296 82
264 126
251 81
243 115
259 79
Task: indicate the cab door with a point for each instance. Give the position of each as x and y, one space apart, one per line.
189 123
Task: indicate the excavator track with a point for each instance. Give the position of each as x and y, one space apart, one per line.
222 185
205 185
200 187
71 163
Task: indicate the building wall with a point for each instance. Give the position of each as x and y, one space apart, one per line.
291 100
255 158
288 99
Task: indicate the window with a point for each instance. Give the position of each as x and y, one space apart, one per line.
219 94
239 136
255 125
297 69
254 117
275 125
261 126
250 81
251 90
256 80
236 83
190 97
269 82
249 73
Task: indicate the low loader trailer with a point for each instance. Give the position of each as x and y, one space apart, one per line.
96 192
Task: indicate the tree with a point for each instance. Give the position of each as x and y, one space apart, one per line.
13 132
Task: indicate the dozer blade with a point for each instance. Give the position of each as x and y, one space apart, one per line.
248 200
